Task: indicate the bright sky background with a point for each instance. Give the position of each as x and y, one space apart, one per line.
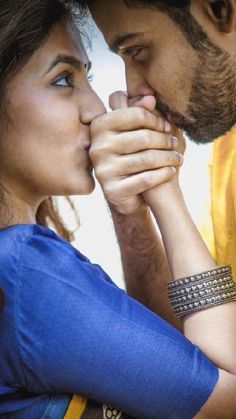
95 237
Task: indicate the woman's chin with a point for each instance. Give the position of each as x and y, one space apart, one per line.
85 187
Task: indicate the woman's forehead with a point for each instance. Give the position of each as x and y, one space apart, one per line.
64 41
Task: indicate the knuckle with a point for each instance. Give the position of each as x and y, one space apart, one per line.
99 149
160 124
147 158
173 158
98 124
146 138
168 173
112 192
141 139
168 142
101 172
94 126
147 180
141 114
95 151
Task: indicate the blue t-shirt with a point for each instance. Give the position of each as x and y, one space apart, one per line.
67 328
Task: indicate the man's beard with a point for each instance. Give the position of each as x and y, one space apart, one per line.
211 110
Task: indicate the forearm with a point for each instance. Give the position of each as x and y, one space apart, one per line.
188 255
145 266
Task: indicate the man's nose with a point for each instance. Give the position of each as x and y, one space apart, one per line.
92 107
137 85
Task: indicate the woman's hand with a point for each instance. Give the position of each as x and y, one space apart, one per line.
133 150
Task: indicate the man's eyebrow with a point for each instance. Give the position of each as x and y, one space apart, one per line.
120 40
69 59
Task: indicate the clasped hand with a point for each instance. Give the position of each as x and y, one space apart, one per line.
133 151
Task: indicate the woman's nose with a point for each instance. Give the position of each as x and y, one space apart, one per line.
91 108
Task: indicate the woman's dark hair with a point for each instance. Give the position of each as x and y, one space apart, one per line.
24 26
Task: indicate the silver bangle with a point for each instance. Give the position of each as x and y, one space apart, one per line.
202 291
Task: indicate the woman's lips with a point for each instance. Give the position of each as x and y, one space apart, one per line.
87 147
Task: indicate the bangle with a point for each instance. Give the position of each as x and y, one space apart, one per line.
201 291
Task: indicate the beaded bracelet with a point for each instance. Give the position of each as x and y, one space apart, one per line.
201 291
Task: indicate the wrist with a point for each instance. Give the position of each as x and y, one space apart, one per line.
138 212
162 195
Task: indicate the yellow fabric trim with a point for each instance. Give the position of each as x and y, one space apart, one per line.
220 232
76 407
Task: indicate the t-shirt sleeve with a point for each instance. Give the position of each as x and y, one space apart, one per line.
79 333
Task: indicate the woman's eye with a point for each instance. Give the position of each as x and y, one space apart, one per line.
64 80
90 78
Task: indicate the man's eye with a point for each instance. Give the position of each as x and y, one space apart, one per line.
134 52
64 80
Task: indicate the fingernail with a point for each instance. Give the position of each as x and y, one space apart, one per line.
167 126
181 158
175 142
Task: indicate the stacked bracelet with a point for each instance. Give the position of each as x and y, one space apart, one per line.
201 291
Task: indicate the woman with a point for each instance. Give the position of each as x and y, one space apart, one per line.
65 328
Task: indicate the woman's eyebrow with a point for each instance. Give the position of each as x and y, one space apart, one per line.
69 59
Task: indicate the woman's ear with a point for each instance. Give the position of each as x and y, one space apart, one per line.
223 14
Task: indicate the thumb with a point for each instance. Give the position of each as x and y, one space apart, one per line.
147 102
118 100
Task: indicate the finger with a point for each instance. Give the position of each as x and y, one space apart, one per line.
129 143
126 120
148 160
177 132
118 100
140 140
136 163
139 183
147 102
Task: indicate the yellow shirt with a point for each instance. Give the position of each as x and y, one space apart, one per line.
219 230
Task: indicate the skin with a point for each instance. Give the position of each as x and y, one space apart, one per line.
168 68
165 67
30 171
192 79
44 148
45 141
115 169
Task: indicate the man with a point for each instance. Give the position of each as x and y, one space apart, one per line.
180 63
182 53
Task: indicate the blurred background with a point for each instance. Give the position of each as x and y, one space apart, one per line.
95 237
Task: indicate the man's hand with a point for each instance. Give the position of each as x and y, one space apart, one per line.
132 151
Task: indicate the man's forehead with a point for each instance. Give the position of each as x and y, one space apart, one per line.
116 18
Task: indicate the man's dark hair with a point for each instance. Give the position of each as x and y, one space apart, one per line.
179 12
161 3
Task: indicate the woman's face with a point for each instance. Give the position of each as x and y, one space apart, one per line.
44 150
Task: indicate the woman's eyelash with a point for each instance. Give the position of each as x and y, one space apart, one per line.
67 77
90 77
